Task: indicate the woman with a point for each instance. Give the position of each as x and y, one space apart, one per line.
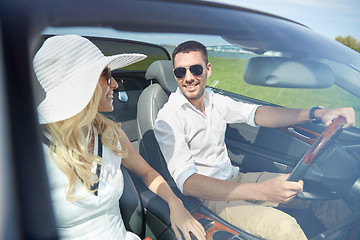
84 150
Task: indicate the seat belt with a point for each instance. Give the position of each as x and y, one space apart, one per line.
95 186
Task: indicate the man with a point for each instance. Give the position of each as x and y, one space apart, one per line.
190 129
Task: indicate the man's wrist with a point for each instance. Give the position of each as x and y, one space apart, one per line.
312 116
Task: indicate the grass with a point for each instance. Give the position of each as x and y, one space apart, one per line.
229 72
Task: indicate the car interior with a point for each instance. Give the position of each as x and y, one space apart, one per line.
140 96
152 99
143 89
246 149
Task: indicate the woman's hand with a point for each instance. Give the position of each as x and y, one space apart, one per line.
182 220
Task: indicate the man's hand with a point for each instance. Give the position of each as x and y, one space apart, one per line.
280 190
329 115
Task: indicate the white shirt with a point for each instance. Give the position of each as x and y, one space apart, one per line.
192 142
92 217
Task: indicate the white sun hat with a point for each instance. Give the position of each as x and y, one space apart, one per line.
68 68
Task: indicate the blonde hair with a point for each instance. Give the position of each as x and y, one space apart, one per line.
70 139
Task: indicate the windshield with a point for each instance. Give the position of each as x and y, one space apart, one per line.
229 60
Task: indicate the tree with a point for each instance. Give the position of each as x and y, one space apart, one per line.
349 41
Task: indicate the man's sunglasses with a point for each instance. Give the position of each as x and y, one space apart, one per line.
196 70
107 74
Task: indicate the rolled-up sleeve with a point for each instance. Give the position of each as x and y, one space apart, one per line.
236 111
172 141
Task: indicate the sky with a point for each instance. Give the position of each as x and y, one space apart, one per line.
331 18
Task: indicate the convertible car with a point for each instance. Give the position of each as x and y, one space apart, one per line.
256 57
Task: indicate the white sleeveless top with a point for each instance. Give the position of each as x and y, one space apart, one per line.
92 217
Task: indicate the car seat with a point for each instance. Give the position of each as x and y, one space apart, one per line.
151 100
131 207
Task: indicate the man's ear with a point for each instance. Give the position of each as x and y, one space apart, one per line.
208 67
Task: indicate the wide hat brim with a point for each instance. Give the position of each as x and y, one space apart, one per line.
72 96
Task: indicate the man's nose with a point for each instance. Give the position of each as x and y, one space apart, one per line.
188 75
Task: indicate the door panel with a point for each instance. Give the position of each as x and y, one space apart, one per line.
263 149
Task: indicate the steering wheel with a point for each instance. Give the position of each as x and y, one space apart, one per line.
314 151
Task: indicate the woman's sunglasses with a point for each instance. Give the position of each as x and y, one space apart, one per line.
107 74
196 70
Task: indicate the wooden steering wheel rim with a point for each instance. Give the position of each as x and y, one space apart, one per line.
314 151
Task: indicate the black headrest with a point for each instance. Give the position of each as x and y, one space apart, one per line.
162 71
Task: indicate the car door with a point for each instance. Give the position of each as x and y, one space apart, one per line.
267 149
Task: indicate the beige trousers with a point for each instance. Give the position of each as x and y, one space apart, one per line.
262 219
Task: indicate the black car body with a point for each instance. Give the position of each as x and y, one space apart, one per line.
26 211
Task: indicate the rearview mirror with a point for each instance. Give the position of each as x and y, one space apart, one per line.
288 73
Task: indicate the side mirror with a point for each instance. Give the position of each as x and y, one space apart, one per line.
288 73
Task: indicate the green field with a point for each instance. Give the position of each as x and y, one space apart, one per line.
229 72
